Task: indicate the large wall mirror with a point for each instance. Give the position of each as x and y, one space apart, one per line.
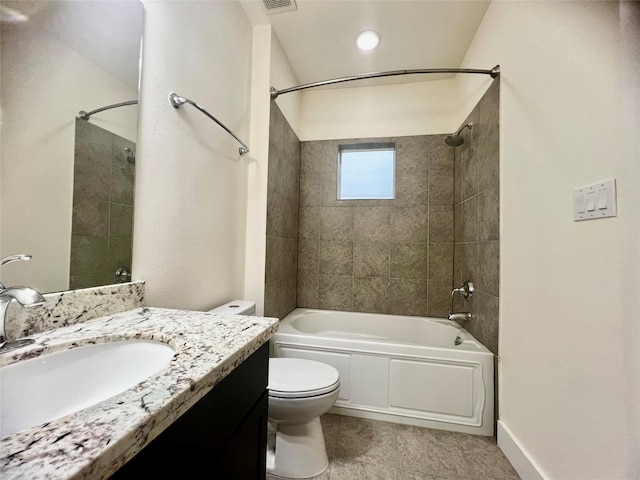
67 184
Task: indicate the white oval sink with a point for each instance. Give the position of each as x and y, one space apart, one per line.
45 388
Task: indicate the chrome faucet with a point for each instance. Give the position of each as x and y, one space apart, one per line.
25 296
466 290
458 316
13 258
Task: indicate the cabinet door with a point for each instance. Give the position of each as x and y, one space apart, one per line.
223 432
244 455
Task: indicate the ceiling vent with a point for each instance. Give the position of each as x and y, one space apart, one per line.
279 6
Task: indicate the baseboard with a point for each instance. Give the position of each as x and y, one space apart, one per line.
517 455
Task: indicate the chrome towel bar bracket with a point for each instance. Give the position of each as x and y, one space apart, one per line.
177 101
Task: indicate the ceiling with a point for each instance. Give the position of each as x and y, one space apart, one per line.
318 37
107 33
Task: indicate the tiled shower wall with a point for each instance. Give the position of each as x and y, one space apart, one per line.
477 217
283 191
102 221
387 256
384 256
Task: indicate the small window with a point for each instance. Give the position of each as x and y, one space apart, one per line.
366 171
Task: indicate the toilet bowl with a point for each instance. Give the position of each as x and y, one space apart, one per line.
299 392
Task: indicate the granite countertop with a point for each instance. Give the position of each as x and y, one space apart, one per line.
95 442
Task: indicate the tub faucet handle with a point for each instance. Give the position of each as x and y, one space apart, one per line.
466 290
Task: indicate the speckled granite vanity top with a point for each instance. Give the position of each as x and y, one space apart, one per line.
95 442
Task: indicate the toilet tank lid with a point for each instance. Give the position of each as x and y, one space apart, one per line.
236 307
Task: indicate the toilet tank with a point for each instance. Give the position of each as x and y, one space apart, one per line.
236 307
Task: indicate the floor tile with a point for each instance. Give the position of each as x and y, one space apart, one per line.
434 452
362 449
367 441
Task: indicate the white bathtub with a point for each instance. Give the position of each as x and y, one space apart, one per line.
420 371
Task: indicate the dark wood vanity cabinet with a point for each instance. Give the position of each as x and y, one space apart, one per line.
223 436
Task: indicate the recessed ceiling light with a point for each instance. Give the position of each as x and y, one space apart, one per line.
368 40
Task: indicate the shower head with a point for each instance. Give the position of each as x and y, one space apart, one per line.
131 155
455 139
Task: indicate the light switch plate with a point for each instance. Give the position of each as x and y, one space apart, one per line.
594 201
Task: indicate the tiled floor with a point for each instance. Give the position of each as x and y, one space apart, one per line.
362 449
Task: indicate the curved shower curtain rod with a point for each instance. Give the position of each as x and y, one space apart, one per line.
177 101
85 115
494 72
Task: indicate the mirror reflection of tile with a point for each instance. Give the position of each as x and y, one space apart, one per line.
102 221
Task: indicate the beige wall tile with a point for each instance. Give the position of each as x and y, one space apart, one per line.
309 223
371 259
412 153
489 107
371 294
307 288
388 237
440 187
439 298
409 296
408 260
283 198
311 189
489 267
489 162
440 224
440 262
371 224
441 153
308 256
488 215
477 221
281 258
280 297
469 219
486 312
336 224
412 188
409 224
468 178
282 216
335 293
336 258
468 262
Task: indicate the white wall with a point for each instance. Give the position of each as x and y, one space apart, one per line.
256 240
283 77
44 86
569 303
270 67
191 183
420 108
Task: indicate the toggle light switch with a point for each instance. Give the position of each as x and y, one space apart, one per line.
601 199
595 201
591 201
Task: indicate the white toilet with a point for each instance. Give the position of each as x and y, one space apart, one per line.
300 391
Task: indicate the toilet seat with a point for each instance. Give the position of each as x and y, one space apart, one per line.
301 378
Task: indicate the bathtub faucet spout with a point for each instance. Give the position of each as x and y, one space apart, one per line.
458 316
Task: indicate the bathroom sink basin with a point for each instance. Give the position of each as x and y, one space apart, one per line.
45 388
